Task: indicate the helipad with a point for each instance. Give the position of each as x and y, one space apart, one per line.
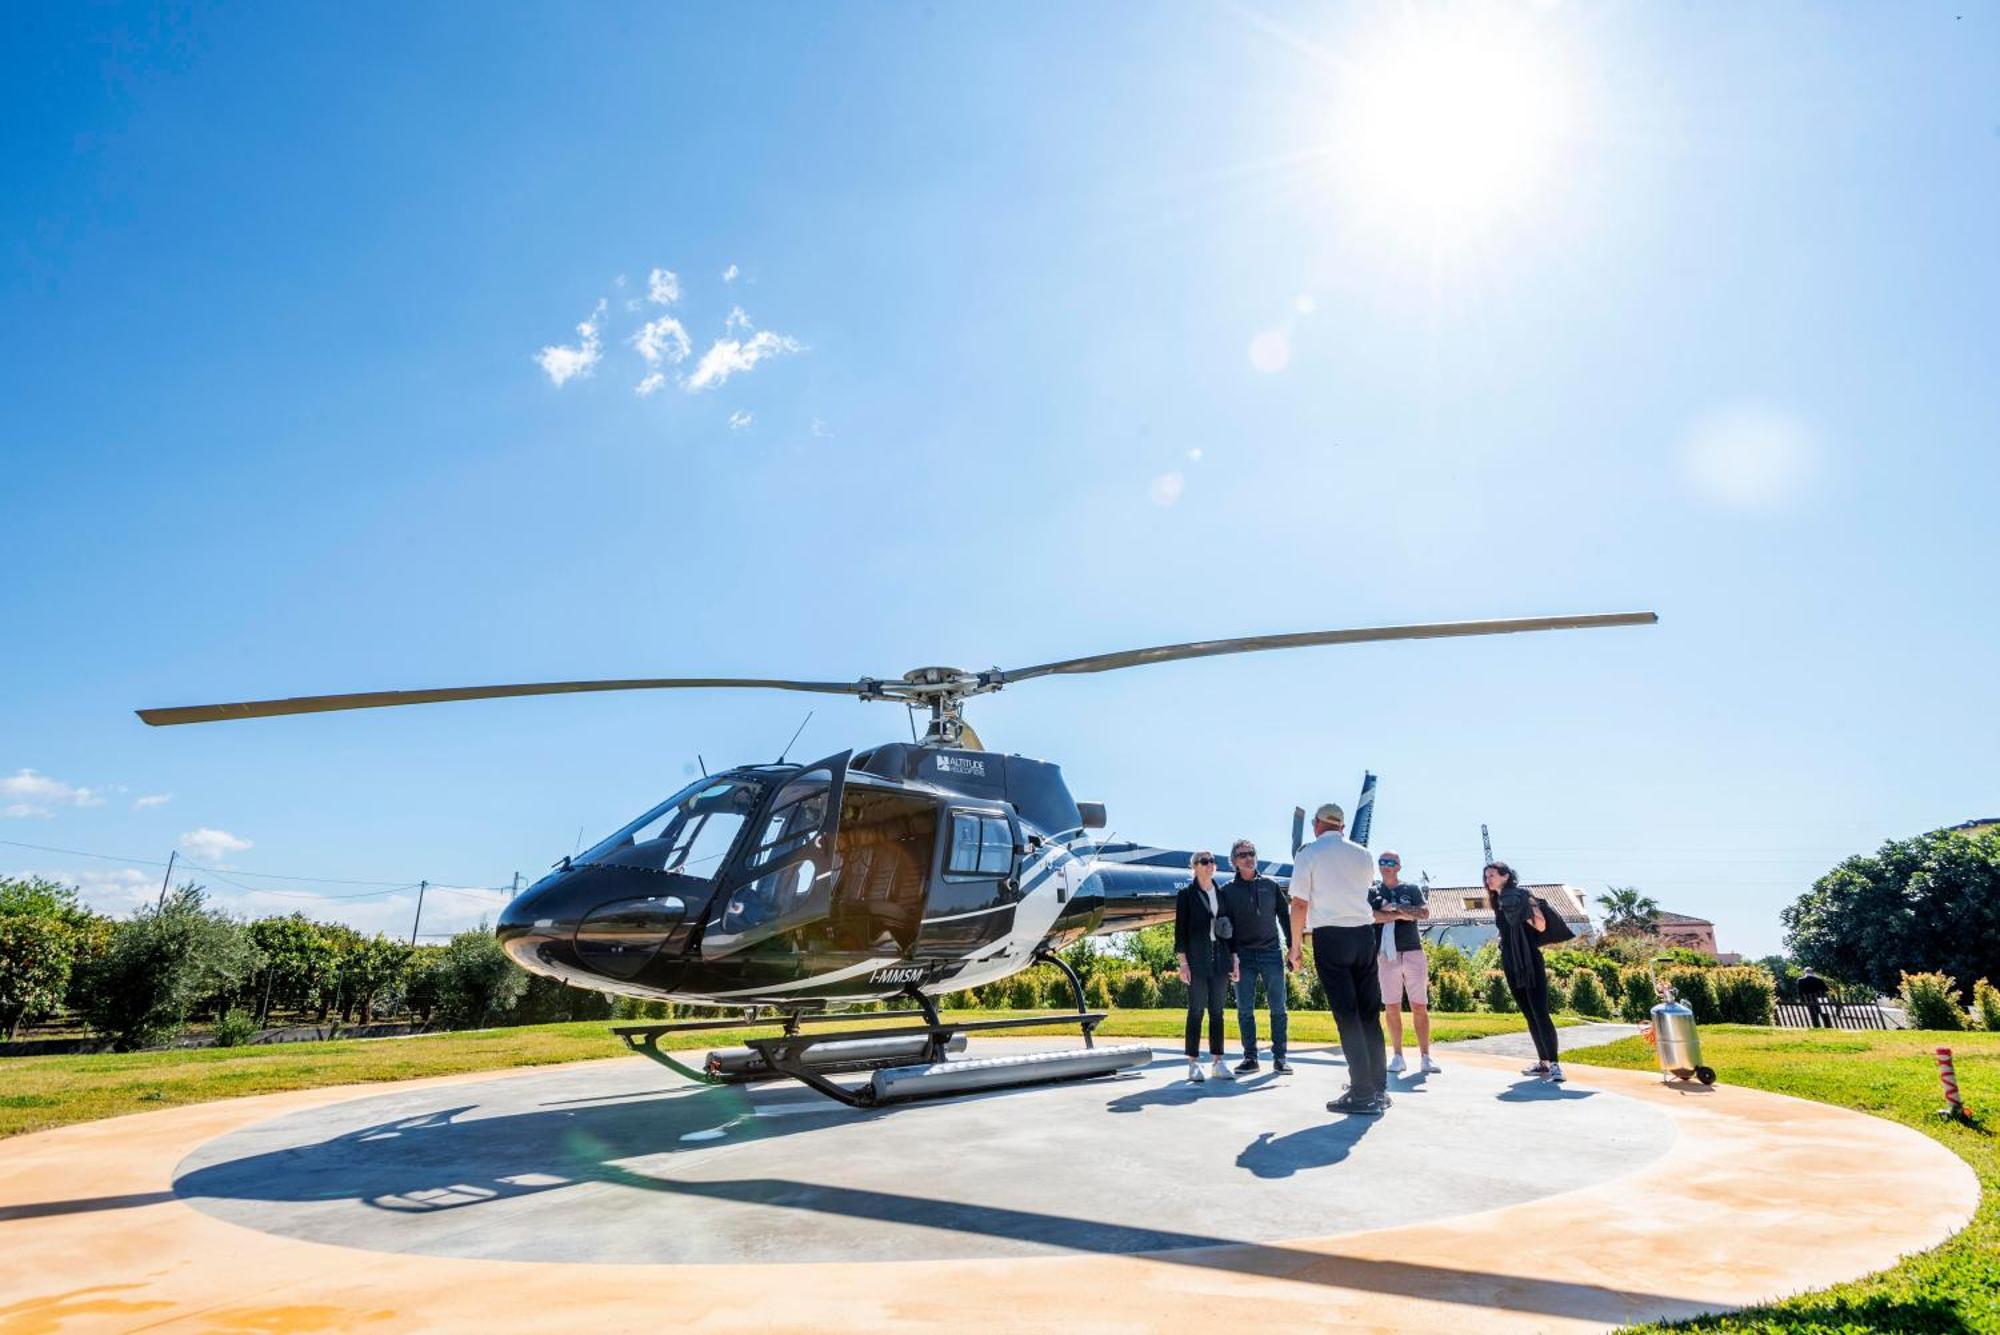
609 1196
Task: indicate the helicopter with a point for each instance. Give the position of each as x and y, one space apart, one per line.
904 870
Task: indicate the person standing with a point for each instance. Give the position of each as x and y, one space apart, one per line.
1331 878
1260 939
1405 971
1521 924
1204 963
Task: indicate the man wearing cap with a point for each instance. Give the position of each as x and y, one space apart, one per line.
1331 878
1400 962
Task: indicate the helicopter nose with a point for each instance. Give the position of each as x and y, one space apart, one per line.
538 927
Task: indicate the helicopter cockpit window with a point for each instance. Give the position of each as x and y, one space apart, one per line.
794 887
981 845
690 833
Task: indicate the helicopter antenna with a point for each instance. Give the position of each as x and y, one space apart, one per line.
795 737
703 763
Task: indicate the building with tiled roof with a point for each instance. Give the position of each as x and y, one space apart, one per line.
1678 929
1462 915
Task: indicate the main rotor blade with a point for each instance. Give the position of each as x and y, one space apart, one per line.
1249 644
321 704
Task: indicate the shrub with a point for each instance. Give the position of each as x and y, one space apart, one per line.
1637 997
1558 996
1097 993
1173 992
1693 989
1986 1003
1498 996
1137 991
1932 1001
1302 989
1586 994
1452 991
1023 994
235 1028
1692 959
1744 994
1446 957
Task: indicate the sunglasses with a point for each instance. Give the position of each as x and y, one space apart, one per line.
1387 862
1250 853
1204 862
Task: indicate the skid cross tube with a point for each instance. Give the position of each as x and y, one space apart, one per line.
784 1054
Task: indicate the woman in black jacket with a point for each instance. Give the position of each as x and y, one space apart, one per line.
1204 964
1521 925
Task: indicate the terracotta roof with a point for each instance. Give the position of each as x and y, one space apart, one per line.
1449 903
1666 919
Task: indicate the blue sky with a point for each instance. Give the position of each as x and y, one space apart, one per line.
1047 330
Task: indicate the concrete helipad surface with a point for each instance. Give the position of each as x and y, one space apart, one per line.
611 1196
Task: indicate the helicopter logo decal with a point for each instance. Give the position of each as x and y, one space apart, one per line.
961 765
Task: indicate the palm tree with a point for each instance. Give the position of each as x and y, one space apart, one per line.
1626 910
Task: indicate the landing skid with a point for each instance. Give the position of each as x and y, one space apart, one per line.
908 1062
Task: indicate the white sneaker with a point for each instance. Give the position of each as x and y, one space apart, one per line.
1220 1069
1555 1074
1396 1065
1195 1076
1430 1067
1537 1069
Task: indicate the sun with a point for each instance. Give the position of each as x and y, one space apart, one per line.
1451 126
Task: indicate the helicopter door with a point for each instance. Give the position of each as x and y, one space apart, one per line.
784 879
973 901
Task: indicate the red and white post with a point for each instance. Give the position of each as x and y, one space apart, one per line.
1953 1105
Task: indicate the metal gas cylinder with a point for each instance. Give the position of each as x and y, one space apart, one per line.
1675 1036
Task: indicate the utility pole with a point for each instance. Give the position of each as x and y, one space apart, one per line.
172 853
1487 840
517 885
421 887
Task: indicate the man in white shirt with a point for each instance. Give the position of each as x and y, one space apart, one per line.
1331 878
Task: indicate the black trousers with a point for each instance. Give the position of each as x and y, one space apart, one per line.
1534 1003
1208 991
1345 958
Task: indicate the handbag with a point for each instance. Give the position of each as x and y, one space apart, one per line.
1554 929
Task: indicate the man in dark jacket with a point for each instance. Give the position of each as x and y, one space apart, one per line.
1260 937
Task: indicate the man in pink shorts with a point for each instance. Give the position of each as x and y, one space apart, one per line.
1405 973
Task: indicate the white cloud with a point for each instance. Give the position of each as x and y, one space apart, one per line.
562 363
740 419
213 845
1304 303
28 793
646 388
1194 455
152 800
663 338
1271 351
663 287
1166 489
1749 456
729 274
727 356
819 428
112 890
736 321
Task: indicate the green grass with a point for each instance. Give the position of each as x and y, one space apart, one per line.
1950 1289
37 1093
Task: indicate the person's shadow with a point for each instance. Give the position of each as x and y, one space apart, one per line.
1319 1146
1536 1090
1182 1094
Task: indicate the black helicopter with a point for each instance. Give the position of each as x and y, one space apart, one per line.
908 869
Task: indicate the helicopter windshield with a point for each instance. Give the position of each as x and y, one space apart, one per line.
690 833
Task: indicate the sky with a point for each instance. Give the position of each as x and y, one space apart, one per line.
368 347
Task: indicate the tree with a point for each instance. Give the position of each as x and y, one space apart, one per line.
375 966
36 953
298 960
162 963
37 896
476 982
1627 912
1930 904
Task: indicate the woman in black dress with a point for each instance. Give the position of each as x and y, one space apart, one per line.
1204 965
1521 925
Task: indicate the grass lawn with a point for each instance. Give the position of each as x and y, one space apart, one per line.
37 1093
1951 1289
